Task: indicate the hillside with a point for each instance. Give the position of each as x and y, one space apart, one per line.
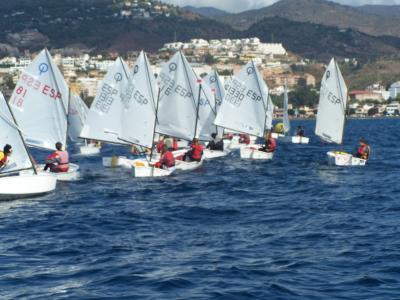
385 11
322 42
116 25
319 12
208 11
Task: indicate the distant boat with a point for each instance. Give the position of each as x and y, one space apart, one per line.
40 104
286 124
331 116
19 177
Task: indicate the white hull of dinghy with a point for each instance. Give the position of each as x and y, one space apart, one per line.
277 135
188 165
89 150
295 139
343 159
144 169
176 153
72 174
117 162
252 152
210 154
26 185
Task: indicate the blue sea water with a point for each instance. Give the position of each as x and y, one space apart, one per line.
292 228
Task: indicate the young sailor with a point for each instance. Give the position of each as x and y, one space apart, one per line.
195 153
244 138
270 144
58 161
363 150
167 159
171 143
300 131
4 155
216 143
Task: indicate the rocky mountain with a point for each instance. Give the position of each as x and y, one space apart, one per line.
207 11
384 11
124 25
319 12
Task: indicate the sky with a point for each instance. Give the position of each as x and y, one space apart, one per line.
241 5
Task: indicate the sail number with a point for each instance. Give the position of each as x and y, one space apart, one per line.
106 98
334 99
18 99
170 87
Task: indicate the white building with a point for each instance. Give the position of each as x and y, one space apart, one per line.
394 90
393 108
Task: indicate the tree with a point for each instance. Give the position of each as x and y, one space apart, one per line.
303 96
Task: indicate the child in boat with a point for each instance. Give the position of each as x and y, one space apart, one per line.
58 161
363 150
4 156
270 144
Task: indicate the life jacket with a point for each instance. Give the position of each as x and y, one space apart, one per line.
160 145
197 152
175 144
167 159
271 145
61 161
244 138
3 158
363 151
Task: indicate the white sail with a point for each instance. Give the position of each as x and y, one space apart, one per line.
332 105
215 83
270 114
76 116
40 103
286 121
9 134
206 114
104 119
245 105
177 110
139 113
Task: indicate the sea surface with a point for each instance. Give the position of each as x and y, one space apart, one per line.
292 228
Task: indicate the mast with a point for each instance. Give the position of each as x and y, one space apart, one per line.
197 111
155 124
344 107
58 89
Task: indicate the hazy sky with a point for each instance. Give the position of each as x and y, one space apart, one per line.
240 5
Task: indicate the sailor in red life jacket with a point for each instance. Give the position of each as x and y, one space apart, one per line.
58 161
270 144
244 138
363 150
160 144
195 153
4 155
167 160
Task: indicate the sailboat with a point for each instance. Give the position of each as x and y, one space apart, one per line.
40 104
103 122
331 116
286 124
214 82
246 108
77 114
180 102
19 177
139 117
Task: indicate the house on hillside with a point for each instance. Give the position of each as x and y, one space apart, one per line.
364 95
394 90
